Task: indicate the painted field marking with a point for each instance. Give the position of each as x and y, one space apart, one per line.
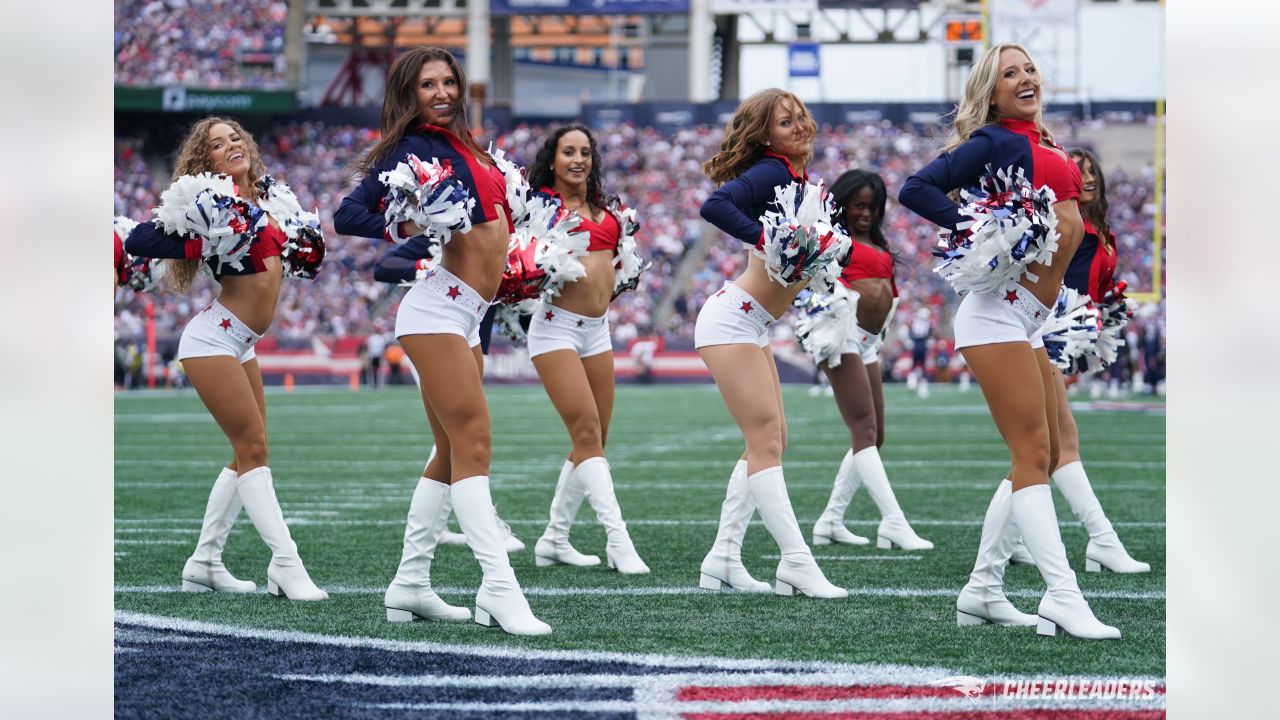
852 557
127 526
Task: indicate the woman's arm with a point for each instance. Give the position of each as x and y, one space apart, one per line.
753 188
925 192
147 240
360 214
402 262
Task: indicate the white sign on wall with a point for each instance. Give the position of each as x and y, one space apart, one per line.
1048 29
736 7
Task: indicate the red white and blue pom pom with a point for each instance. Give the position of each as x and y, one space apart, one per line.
518 190
1115 311
304 247
1011 225
123 225
800 243
428 194
206 206
145 274
1071 333
826 323
508 318
522 279
628 265
558 251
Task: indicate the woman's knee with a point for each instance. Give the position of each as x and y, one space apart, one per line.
864 433
585 433
250 449
765 438
1034 451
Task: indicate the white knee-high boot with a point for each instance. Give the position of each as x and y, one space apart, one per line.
204 571
593 474
723 564
499 600
1063 607
830 526
894 529
553 547
410 595
1104 551
982 600
797 570
286 576
448 537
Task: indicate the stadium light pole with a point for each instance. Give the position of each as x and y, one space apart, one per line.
700 30
477 57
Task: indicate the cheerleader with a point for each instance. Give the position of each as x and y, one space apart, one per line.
1091 273
999 128
855 376
768 143
571 348
216 347
424 115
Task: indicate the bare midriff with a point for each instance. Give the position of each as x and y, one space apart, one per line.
252 298
875 299
590 295
774 297
1049 277
477 257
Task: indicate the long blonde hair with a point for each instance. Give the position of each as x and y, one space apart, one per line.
976 109
744 139
193 158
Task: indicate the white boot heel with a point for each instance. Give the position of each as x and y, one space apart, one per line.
542 561
830 527
982 599
707 582
884 543
188 586
1092 565
964 619
402 616
797 570
1047 628
821 539
286 577
204 571
274 589
483 618
723 564
784 589
596 480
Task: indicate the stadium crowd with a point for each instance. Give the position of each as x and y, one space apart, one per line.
659 173
239 45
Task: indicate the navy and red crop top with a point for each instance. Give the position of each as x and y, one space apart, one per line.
1092 269
736 206
147 240
1009 142
868 261
360 213
604 234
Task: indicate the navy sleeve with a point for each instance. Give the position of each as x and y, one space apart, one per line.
753 188
925 193
148 241
400 263
360 214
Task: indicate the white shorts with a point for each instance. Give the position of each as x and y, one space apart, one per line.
864 344
732 316
215 331
440 303
987 319
553 328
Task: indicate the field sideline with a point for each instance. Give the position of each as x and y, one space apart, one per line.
345 465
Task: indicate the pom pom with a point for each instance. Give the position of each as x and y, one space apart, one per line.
518 190
145 274
827 322
799 243
508 319
1071 333
123 226
1010 226
558 247
522 279
428 194
304 246
628 265
206 206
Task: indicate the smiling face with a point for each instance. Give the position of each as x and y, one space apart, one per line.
789 134
572 164
1089 191
860 213
227 151
438 93
1017 92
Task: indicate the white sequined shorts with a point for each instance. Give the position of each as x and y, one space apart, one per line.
553 328
988 319
440 303
215 331
732 316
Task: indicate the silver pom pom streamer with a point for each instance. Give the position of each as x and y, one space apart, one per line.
428 194
799 242
1010 225
518 190
1071 333
826 323
558 252
304 247
507 318
123 225
628 265
206 206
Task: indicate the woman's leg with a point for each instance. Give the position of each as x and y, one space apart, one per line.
451 383
876 380
1104 551
1017 389
740 371
233 394
853 401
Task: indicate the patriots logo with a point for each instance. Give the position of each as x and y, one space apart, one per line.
970 687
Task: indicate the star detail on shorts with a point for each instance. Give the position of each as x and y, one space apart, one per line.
225 324
581 323
1011 296
746 307
454 292
549 315
1037 313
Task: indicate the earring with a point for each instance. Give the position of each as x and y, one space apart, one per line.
768 142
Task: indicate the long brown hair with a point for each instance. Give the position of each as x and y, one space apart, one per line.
1096 211
193 158
400 110
542 173
744 139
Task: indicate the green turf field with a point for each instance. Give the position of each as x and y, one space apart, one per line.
345 465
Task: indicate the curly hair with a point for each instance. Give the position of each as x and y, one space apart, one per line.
193 158
975 109
744 140
1096 211
542 172
848 185
401 112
